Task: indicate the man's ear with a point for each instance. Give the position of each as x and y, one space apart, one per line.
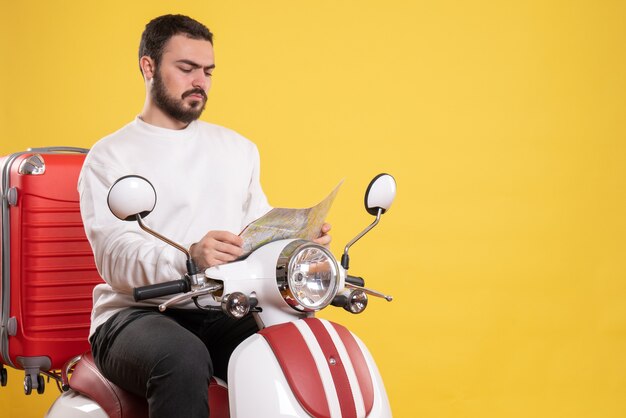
147 67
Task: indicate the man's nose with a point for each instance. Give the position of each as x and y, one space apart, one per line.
200 80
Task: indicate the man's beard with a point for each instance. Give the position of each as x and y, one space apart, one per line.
176 107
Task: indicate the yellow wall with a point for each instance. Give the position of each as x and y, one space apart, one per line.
502 121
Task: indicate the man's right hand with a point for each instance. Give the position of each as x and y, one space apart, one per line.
216 247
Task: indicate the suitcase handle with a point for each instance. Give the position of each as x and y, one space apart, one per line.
59 149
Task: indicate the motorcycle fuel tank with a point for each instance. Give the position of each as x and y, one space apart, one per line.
309 367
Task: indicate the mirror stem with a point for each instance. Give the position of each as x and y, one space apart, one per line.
345 258
192 269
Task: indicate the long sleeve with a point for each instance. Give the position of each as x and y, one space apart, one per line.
126 256
206 178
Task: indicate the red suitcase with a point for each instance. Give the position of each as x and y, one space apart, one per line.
48 271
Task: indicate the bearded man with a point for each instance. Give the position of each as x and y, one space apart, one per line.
207 178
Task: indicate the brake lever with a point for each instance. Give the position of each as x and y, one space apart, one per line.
388 298
206 289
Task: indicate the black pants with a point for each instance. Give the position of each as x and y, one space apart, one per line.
169 357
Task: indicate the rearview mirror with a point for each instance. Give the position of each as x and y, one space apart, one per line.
380 194
378 198
130 196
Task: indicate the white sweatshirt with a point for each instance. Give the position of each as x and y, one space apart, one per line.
206 178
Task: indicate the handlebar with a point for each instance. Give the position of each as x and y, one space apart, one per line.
161 289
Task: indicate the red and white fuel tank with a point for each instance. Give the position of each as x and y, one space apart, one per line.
309 367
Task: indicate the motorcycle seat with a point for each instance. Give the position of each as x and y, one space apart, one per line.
118 403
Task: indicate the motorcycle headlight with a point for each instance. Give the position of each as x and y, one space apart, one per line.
307 275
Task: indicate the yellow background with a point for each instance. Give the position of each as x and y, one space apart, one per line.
502 121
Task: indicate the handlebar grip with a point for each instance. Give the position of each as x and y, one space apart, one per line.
357 281
161 289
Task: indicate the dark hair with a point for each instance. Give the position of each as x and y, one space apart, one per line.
160 29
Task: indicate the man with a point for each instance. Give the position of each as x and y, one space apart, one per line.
207 180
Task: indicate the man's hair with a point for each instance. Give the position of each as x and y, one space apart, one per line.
159 30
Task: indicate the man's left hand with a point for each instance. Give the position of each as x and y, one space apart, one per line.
324 238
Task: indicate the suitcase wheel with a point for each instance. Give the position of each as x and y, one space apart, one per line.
28 385
41 384
3 376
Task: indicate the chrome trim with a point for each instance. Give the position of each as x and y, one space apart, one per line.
388 298
201 291
236 305
155 234
283 265
197 279
357 301
77 150
32 166
365 231
65 372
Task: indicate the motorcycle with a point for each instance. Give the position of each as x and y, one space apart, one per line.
297 365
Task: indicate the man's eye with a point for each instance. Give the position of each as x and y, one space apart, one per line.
185 70
208 74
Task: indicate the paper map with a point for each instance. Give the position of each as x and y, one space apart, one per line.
282 223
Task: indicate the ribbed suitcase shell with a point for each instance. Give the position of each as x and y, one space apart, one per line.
48 271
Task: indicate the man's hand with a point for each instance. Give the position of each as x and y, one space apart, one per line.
324 238
216 247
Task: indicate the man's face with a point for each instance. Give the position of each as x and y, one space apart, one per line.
183 78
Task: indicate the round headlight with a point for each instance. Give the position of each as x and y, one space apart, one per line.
307 276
